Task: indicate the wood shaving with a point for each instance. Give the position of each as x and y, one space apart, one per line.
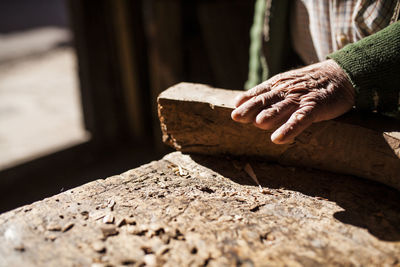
67 227
180 171
111 204
249 170
233 194
99 217
53 227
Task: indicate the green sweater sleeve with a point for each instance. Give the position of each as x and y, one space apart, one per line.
373 67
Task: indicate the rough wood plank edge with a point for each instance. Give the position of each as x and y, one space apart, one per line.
196 118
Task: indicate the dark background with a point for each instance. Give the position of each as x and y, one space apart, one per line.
17 15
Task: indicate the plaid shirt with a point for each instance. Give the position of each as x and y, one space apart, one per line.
320 27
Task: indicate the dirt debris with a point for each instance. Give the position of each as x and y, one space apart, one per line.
218 219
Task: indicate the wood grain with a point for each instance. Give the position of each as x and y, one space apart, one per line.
189 210
196 118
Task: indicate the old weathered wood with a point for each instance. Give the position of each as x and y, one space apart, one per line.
204 211
196 119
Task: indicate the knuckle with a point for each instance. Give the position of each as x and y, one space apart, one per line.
277 79
259 89
283 94
305 114
271 113
299 117
260 99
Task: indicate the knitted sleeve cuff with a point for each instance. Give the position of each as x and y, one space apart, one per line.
373 67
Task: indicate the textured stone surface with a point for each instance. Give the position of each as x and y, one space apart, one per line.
204 211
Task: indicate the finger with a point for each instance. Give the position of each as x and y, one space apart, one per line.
255 91
263 87
248 111
298 122
276 115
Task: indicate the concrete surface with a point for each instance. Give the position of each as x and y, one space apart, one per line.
40 108
26 43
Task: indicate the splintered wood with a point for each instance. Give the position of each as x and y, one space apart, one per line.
249 170
208 213
196 118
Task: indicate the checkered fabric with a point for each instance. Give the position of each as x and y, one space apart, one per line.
320 27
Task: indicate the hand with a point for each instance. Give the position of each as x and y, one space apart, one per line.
295 99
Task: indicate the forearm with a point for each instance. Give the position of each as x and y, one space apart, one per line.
373 66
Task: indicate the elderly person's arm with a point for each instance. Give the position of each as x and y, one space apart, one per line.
293 100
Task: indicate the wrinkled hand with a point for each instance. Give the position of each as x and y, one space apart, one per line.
295 99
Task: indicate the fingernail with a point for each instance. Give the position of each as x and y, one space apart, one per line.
234 115
277 137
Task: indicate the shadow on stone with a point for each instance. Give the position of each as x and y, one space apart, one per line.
365 203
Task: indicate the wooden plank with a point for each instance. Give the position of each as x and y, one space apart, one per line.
203 211
196 119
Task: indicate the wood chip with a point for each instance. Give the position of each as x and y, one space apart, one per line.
150 260
137 230
85 215
233 194
270 237
67 227
109 219
99 246
131 221
20 248
53 227
109 230
111 204
181 172
147 250
121 222
51 237
99 217
238 217
266 192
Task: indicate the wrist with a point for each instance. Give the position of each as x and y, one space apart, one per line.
339 76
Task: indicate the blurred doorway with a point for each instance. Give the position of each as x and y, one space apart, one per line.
40 106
